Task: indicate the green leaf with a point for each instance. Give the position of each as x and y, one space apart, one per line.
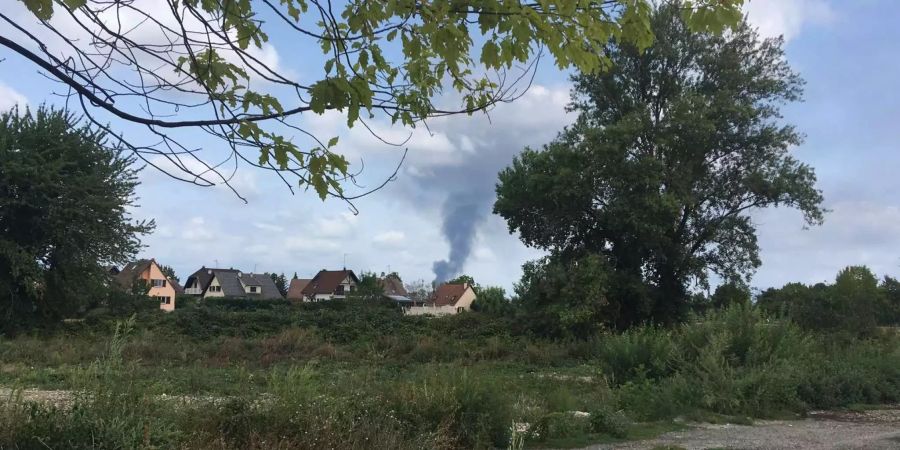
332 142
42 9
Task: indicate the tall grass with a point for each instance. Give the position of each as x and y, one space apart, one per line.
449 387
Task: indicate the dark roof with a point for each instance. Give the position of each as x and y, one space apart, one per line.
295 290
204 276
448 294
177 286
233 282
327 281
393 286
131 272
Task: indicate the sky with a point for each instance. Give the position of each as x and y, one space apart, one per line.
845 50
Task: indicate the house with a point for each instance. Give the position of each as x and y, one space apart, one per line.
330 285
160 287
209 282
295 289
447 299
393 289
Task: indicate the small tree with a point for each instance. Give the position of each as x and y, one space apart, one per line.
369 287
169 272
64 199
566 297
855 296
730 293
492 300
889 309
280 283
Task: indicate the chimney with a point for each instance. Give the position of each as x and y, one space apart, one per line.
465 285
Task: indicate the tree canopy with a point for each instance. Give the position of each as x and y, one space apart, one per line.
64 199
202 65
673 147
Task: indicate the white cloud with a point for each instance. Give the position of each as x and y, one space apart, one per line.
309 244
196 229
854 233
9 97
787 17
268 227
391 238
244 180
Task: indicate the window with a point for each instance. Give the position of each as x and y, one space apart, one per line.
339 290
163 300
158 283
460 309
253 289
215 289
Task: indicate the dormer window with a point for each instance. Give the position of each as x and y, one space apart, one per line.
254 289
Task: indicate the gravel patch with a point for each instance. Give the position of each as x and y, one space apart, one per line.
827 430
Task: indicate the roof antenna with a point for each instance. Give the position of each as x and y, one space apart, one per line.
217 262
254 268
345 261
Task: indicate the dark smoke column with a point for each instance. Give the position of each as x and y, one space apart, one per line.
462 212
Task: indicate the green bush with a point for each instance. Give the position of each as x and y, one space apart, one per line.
607 421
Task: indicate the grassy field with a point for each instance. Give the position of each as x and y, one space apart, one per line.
355 375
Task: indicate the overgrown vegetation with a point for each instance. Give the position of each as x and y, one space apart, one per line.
358 374
650 190
64 199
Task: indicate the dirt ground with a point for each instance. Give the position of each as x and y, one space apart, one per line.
876 430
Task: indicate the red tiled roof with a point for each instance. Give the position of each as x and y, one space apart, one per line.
295 291
448 294
327 281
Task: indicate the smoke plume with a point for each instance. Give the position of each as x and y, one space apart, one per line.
462 213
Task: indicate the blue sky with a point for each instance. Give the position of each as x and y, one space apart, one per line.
846 51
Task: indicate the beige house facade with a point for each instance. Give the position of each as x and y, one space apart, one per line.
447 299
161 288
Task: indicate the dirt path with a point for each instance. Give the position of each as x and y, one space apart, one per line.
877 430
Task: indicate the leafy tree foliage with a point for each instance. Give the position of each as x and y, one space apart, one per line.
465 279
730 293
564 297
853 304
492 300
672 148
888 311
392 57
369 287
169 272
64 197
280 282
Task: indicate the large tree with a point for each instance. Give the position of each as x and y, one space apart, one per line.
210 66
64 200
672 150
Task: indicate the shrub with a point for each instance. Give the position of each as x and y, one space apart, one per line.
608 421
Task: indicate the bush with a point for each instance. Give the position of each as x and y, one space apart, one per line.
607 421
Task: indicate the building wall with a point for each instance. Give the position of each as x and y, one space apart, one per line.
465 301
154 273
210 292
463 304
194 290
